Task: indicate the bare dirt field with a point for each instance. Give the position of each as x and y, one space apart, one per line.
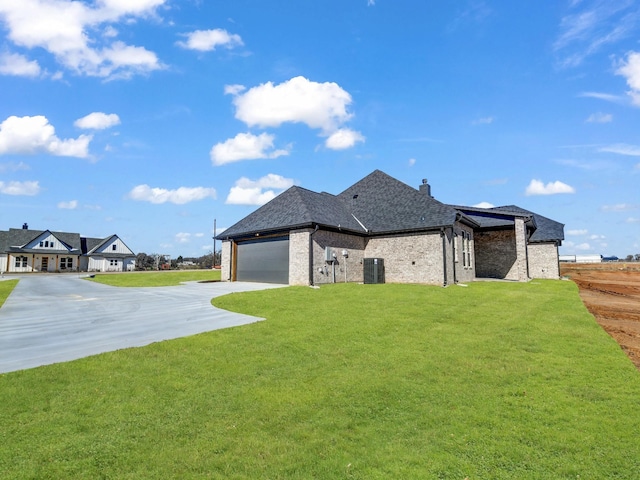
611 292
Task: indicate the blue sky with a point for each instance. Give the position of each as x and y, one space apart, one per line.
152 118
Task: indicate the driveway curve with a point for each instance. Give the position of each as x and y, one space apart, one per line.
52 318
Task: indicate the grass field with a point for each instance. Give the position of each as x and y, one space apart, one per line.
6 287
156 279
496 380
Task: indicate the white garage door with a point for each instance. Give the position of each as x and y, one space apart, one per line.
263 261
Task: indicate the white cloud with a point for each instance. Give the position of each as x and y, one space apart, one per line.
599 118
13 167
597 237
622 149
603 96
31 135
70 31
587 31
180 196
631 71
207 40
483 121
577 232
183 237
234 89
298 100
583 246
71 205
412 162
537 187
343 139
98 121
257 192
619 207
18 66
245 146
632 220
484 205
20 188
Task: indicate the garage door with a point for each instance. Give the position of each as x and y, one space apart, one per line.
263 261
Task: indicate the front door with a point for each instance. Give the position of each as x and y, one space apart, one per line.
45 264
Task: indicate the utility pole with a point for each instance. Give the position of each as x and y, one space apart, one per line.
213 260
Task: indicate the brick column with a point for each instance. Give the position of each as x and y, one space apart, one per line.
521 250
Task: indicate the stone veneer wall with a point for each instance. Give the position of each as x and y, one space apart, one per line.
543 260
410 258
225 261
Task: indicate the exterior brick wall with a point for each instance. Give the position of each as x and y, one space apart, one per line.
299 257
409 258
465 270
543 260
225 261
502 254
495 254
521 271
350 267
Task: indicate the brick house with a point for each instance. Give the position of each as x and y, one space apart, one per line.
382 225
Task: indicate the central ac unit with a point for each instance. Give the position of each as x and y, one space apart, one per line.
373 270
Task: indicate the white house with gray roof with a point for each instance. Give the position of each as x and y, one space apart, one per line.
24 250
381 229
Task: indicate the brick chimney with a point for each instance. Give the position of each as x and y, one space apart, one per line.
425 187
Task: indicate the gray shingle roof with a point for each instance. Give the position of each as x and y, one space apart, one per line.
13 239
18 237
295 207
547 229
383 205
544 229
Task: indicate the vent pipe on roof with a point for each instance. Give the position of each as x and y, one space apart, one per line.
425 187
25 226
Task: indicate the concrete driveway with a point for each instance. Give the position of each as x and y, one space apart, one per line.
56 318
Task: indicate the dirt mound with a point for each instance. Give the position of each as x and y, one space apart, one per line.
611 292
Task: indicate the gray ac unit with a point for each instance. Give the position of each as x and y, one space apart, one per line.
373 270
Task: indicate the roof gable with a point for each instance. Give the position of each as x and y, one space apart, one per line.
385 204
547 230
295 207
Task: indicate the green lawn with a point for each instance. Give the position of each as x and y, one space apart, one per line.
156 279
6 287
496 380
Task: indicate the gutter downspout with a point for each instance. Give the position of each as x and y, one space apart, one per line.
444 255
311 256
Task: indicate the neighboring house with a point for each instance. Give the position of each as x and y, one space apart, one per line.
381 229
25 250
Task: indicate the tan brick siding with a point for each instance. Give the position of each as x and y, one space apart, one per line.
225 261
409 258
543 260
350 267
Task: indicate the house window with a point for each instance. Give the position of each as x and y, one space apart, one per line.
42 244
114 247
21 262
66 263
113 262
455 247
469 250
464 251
